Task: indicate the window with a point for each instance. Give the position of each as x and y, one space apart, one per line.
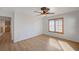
56 25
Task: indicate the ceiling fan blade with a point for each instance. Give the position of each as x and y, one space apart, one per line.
37 11
50 13
39 15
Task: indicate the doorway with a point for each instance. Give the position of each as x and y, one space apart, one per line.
5 32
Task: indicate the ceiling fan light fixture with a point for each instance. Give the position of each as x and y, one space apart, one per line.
44 11
44 15
44 8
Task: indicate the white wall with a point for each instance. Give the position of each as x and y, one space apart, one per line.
71 26
23 25
5 13
26 26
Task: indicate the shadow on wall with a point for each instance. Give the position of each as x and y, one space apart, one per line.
77 28
45 24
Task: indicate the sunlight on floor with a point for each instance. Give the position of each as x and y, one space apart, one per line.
1 34
53 43
65 46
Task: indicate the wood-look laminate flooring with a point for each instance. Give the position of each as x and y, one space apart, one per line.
38 43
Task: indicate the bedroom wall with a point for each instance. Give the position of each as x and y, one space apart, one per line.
71 26
26 26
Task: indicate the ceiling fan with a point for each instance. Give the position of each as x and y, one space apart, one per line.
44 11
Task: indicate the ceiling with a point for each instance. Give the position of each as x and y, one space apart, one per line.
30 10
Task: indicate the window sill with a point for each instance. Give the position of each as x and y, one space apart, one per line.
57 32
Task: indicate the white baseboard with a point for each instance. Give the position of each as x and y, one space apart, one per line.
66 38
27 38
